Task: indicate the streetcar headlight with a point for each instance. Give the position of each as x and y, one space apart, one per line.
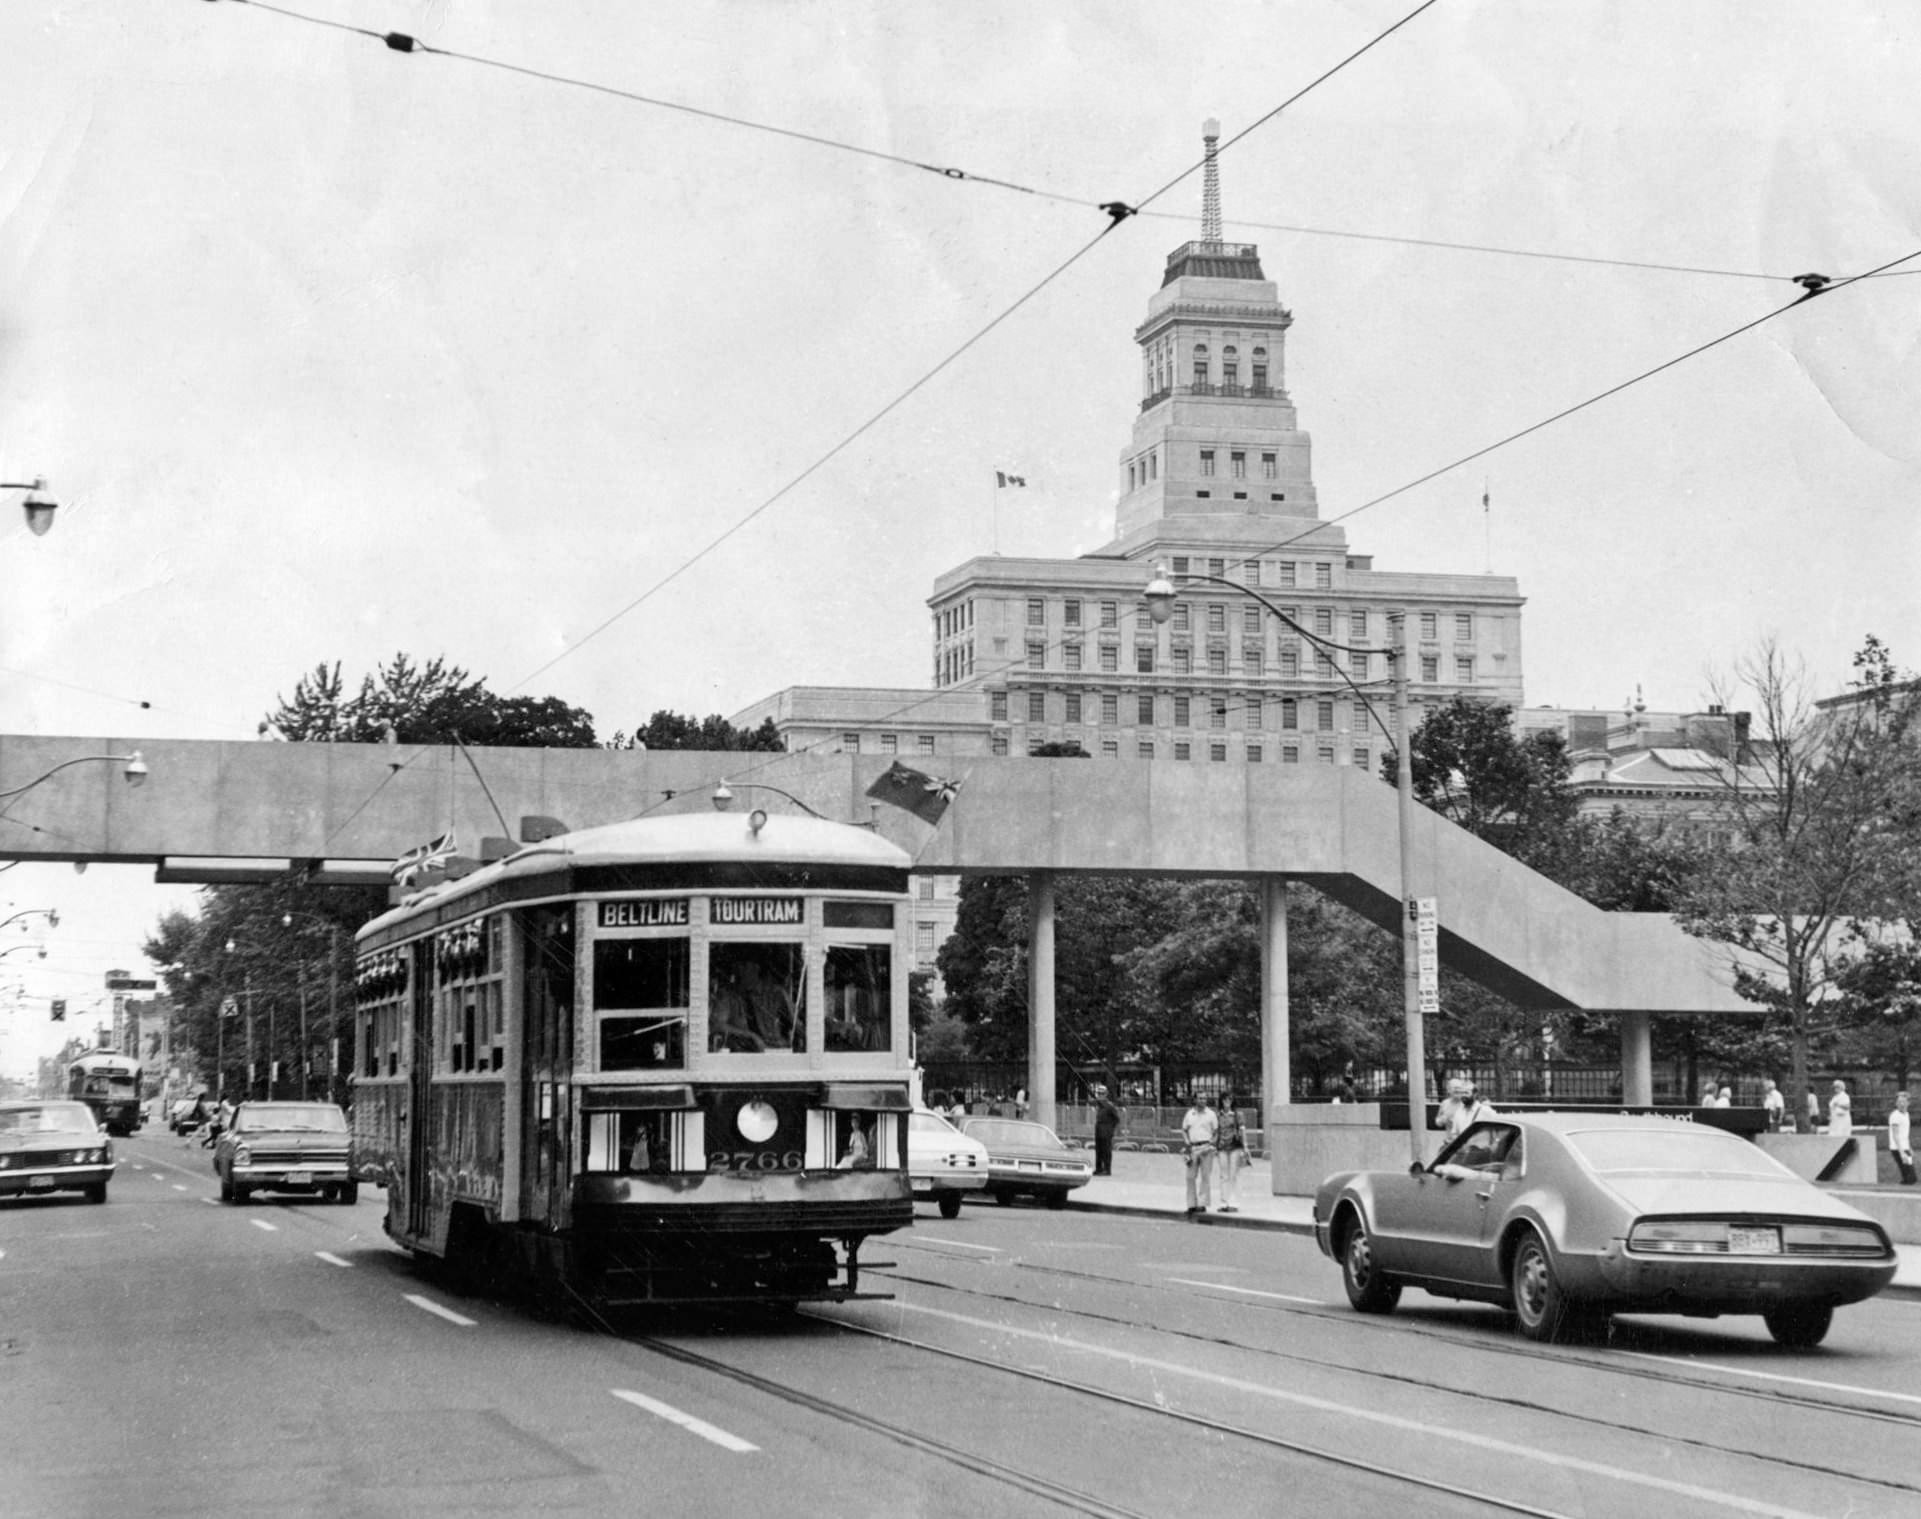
757 1122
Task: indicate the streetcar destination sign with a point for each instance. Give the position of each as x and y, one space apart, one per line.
738 910
670 912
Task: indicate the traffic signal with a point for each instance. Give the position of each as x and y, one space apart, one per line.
59 1009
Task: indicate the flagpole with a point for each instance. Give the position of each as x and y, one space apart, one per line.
997 515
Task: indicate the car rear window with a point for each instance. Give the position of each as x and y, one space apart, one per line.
1681 1148
997 1131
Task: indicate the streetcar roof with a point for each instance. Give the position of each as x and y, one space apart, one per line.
693 838
104 1060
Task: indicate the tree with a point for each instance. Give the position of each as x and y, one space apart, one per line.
672 730
430 703
1819 805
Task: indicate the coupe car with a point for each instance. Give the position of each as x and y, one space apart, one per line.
942 1162
53 1147
285 1147
1565 1218
1027 1158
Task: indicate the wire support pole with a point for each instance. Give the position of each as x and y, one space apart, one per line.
1410 939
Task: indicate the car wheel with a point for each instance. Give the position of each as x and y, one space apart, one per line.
950 1204
241 1194
1369 1290
1541 1308
1056 1199
348 1192
1800 1325
97 1193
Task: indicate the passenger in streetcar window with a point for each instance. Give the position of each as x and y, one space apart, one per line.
770 1009
733 1027
859 1154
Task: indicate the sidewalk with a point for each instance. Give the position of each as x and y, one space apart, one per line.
1155 1186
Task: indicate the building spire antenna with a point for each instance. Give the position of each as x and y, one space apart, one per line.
1211 182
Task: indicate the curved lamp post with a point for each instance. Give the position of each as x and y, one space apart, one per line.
52 913
135 773
38 506
1160 593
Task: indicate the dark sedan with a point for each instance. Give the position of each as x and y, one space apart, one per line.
53 1147
1567 1217
1027 1158
285 1147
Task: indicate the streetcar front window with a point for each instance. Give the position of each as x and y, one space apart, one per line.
860 998
641 1001
756 996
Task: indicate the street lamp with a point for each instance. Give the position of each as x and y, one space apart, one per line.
135 773
38 506
53 916
333 1000
246 987
1160 593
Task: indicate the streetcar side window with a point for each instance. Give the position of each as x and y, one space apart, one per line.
756 995
640 1002
859 990
636 1144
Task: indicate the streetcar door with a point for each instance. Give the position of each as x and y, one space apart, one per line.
420 1092
547 1060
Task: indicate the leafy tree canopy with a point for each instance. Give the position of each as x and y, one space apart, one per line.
423 703
672 730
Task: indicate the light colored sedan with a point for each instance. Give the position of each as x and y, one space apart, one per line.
1567 1217
53 1147
1028 1158
943 1162
285 1147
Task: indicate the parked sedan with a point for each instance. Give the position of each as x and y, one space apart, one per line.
1568 1217
285 1147
942 1162
1027 1158
53 1147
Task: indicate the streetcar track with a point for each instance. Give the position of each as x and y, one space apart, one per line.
1457 1392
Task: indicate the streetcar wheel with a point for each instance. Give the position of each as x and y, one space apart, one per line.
1541 1308
1369 1289
1800 1325
950 1204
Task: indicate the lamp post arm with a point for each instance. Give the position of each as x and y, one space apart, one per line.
128 759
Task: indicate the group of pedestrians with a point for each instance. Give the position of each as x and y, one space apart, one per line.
1215 1143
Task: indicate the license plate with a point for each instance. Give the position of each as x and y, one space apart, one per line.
39 1183
1027 1165
300 1178
1754 1241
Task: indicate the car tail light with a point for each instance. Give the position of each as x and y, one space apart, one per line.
1680 1237
1833 1239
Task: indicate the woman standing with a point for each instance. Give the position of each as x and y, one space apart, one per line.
1231 1141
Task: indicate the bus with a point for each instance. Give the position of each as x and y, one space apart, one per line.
653 1062
109 1084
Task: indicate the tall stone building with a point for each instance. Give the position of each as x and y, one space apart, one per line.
1216 485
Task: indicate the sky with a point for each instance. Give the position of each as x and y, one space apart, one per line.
332 352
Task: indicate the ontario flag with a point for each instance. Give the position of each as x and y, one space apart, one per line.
1002 479
429 856
926 796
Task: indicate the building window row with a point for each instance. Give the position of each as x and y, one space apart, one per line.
890 743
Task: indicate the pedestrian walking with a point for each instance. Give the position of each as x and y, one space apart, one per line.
1230 1140
1776 1105
1840 1112
1899 1143
1107 1121
1198 1129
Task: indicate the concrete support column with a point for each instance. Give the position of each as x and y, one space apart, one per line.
1277 1072
1637 1059
1040 996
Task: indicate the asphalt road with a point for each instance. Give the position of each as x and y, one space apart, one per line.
167 1354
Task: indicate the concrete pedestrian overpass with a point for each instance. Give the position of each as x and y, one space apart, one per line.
225 812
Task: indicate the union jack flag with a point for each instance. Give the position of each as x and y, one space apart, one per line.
429 856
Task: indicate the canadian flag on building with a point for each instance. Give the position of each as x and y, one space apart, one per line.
1002 479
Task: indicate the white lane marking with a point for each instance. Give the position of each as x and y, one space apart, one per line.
446 1313
214 1201
1279 1297
1688 1490
686 1421
333 1260
178 1187
1771 1376
261 1223
958 1244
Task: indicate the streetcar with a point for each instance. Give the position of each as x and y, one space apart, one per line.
658 1061
109 1084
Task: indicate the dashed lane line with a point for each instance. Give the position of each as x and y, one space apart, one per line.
261 1223
686 1421
332 1259
178 1187
446 1313
1279 1297
958 1244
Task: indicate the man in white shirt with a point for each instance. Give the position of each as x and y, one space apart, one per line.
1461 1108
1776 1105
1199 1127
1900 1145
